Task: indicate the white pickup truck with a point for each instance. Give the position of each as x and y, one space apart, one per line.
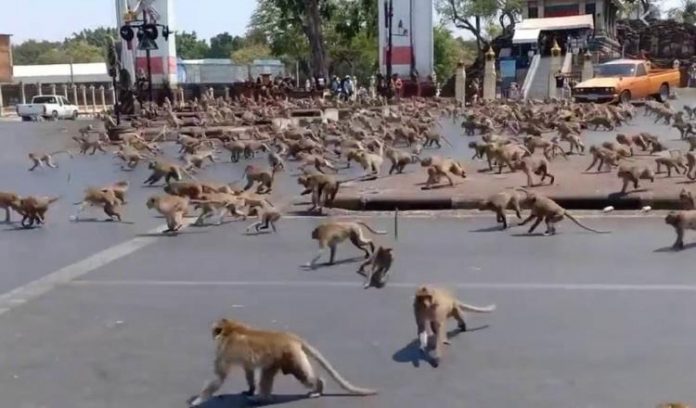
48 107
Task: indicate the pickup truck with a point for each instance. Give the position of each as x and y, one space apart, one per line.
48 107
625 80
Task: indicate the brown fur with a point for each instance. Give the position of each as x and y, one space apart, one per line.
263 177
633 173
547 210
380 262
536 165
331 233
172 208
33 209
499 202
9 201
681 221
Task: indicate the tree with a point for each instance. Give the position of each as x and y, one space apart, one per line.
685 13
448 51
470 15
248 54
223 45
98 37
28 52
188 46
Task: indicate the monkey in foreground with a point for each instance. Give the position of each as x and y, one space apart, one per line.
268 216
632 173
164 169
9 201
98 197
272 352
120 188
41 159
323 187
380 262
681 221
33 209
86 144
602 155
263 177
172 208
536 165
686 199
547 210
499 202
432 307
332 233
673 404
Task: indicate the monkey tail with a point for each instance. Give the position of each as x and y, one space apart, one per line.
567 214
370 228
475 309
61 151
319 358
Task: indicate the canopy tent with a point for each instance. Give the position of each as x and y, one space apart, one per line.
556 23
528 36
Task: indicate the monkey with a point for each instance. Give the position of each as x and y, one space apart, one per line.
637 140
549 147
370 162
632 173
480 148
505 155
86 144
222 203
686 199
9 201
443 168
576 144
536 165
172 208
598 121
85 131
331 233
499 202
276 161
268 216
270 351
676 163
432 137
105 198
120 188
33 209
547 210
263 177
673 404
380 263
236 148
190 189
657 146
432 307
131 157
252 146
602 155
323 187
164 169
620 149
681 221
41 159
664 112
399 159
318 161
197 160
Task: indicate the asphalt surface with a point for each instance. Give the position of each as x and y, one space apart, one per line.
97 314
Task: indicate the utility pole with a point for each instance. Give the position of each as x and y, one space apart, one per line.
149 64
389 13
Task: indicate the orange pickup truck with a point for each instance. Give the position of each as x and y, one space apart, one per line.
625 80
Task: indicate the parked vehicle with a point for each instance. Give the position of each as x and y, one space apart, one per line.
50 107
627 80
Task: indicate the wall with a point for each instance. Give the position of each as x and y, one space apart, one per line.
5 58
416 18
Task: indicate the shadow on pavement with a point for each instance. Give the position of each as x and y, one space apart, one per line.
489 229
670 249
411 353
326 264
239 400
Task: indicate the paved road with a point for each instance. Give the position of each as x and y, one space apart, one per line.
583 320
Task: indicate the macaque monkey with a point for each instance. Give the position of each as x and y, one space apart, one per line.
549 147
190 189
505 155
681 221
99 197
86 144
632 173
499 202
33 209
536 165
399 160
263 177
677 163
370 162
323 187
480 148
131 157
620 149
198 159
603 156
332 233
547 210
438 167
164 169
316 160
9 201
637 140
673 404
120 188
268 216
222 203
432 307
687 200
598 121
270 351
276 161
41 159
380 262
172 208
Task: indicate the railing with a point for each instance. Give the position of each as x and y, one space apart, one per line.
531 73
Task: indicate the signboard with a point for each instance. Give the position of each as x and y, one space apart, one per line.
508 68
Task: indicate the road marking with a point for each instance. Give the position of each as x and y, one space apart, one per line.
469 214
404 285
62 276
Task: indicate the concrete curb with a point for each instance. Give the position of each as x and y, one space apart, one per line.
374 202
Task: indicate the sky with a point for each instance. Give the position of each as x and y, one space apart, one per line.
57 19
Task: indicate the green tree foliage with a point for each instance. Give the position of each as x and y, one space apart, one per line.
189 46
248 54
85 46
448 51
98 37
223 45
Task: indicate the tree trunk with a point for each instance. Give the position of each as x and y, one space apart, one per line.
478 35
314 33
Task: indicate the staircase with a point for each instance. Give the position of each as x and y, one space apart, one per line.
539 88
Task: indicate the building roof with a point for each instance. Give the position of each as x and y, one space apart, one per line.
61 73
557 23
526 36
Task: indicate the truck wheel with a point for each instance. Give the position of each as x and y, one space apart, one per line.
625 97
74 115
54 115
664 93
26 119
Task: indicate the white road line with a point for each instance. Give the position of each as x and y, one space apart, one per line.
43 285
404 285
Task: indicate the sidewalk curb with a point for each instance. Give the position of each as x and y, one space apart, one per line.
597 202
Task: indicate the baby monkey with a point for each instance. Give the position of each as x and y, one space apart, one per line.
380 262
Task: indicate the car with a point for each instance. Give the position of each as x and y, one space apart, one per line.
627 80
51 107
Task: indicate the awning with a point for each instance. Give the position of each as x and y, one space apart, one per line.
528 36
556 23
